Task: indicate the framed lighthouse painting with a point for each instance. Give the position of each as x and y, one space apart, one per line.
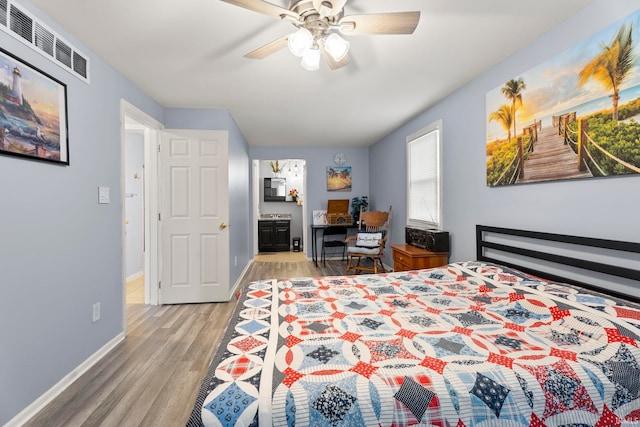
33 112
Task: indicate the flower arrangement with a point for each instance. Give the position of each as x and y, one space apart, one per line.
295 196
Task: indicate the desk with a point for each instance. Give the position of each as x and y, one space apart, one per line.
314 231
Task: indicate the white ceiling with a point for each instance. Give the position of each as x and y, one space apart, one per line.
189 53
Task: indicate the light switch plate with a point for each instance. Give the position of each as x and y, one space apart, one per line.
103 195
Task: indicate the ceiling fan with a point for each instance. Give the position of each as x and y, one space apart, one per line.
318 23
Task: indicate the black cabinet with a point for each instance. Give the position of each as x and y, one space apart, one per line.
274 236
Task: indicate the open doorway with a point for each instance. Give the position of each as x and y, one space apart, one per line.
139 143
134 211
286 203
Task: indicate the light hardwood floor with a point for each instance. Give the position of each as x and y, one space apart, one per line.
152 378
135 291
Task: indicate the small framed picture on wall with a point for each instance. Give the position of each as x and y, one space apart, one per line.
338 178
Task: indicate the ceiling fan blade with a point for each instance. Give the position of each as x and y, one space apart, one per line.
380 23
268 48
267 8
333 64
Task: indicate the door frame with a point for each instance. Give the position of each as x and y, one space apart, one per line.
255 175
256 183
151 132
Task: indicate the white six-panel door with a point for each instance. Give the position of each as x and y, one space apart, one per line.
194 211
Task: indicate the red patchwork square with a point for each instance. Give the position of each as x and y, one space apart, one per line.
558 314
627 313
515 297
293 341
406 333
291 377
364 369
614 335
499 359
433 363
351 337
463 331
290 318
247 344
564 354
514 327
259 293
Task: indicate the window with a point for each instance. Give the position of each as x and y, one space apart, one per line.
424 177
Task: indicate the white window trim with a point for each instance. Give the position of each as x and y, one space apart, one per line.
438 222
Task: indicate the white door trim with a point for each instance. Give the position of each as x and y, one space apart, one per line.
255 165
151 142
256 184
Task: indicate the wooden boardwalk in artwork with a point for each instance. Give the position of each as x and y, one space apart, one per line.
551 159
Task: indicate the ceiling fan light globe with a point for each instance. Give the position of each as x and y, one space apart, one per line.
336 46
300 41
311 59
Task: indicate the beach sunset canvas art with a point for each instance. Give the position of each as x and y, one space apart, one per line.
339 178
576 115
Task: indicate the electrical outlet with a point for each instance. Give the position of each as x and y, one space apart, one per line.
96 312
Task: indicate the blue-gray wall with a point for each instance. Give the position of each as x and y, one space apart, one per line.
605 207
240 234
61 251
317 160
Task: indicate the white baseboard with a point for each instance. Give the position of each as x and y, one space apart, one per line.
240 278
30 411
134 276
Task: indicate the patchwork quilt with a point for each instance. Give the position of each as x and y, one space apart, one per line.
466 345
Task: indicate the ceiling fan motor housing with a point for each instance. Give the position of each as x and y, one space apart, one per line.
322 7
314 20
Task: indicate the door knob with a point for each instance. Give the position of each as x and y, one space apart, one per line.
223 225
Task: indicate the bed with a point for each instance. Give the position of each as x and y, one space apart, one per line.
503 340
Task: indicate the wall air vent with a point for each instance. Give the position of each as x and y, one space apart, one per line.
44 39
20 24
3 12
63 53
80 64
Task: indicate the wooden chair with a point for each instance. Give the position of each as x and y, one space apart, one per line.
370 241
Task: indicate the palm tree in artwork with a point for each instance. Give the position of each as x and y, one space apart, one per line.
512 90
612 66
503 116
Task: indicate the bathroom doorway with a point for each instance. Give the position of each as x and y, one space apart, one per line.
290 205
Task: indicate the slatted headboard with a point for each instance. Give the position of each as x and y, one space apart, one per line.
578 256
